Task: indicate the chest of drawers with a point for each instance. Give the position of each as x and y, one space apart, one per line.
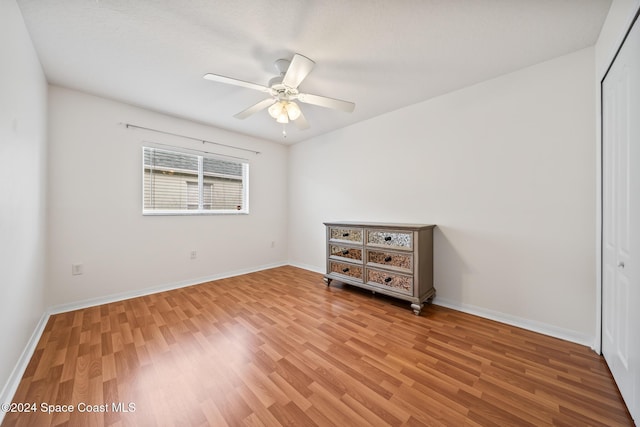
392 259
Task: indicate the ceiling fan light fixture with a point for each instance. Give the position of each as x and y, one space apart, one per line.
293 111
283 117
276 109
284 111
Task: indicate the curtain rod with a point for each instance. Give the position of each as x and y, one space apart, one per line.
153 143
204 141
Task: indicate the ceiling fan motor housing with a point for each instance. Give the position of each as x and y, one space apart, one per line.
279 90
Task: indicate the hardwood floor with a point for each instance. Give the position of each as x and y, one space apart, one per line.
280 348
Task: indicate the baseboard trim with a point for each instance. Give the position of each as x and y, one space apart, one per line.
313 268
11 386
531 325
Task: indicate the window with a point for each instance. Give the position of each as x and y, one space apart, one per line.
176 183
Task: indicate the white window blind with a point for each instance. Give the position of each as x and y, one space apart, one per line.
177 183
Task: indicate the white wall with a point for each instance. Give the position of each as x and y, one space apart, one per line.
505 169
95 203
23 100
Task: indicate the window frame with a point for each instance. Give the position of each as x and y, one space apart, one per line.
201 155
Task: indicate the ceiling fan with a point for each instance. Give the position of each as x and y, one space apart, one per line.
283 91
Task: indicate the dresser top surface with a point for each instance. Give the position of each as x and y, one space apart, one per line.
380 225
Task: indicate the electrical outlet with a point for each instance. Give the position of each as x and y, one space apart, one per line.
194 255
76 269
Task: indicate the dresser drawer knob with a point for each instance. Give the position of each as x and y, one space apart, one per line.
344 270
387 280
345 234
345 252
387 239
388 259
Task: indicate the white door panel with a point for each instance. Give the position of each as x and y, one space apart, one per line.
621 221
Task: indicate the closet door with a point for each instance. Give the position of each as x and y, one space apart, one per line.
621 220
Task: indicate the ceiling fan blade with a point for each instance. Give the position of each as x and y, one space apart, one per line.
299 68
255 108
236 82
301 122
326 102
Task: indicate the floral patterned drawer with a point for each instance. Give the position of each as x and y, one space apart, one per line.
336 251
344 269
395 260
397 282
391 239
352 235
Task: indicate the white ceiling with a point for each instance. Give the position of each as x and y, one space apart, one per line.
382 55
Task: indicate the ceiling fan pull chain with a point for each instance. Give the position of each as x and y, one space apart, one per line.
284 130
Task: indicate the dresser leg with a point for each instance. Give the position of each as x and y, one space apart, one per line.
416 309
327 281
